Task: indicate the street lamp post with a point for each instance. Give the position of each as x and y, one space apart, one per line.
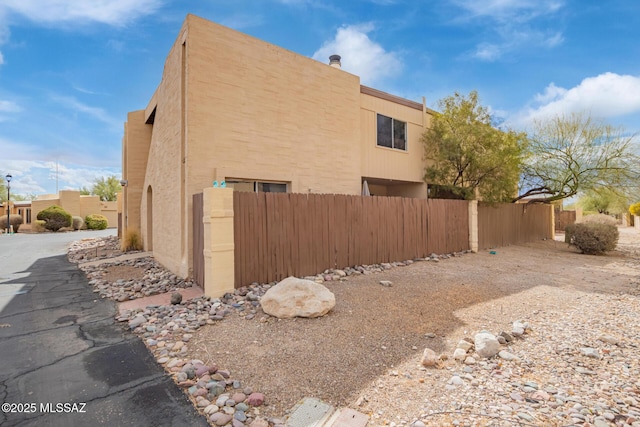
8 178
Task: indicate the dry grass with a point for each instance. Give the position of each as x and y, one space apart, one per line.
131 241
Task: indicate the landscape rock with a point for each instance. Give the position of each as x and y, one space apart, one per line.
176 298
459 354
486 344
255 399
429 358
294 297
465 345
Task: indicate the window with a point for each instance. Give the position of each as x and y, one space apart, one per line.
392 133
257 186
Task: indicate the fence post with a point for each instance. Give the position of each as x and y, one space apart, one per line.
552 226
473 225
219 268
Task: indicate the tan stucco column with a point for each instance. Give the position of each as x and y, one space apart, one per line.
219 273
473 225
552 232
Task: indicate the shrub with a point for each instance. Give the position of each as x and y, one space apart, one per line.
55 218
635 209
131 241
600 219
77 223
569 230
96 222
38 226
16 222
594 238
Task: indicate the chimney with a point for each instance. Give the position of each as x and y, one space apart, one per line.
334 61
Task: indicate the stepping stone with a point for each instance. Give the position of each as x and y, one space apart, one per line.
348 417
310 412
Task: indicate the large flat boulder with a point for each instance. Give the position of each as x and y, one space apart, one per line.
294 297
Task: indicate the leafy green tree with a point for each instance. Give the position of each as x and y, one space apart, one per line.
575 153
3 189
604 200
467 155
634 209
105 188
24 197
84 191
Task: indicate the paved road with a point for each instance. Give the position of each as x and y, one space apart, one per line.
60 345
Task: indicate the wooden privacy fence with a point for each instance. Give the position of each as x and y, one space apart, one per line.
198 239
563 218
513 224
284 234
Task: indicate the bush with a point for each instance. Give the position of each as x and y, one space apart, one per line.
16 222
55 218
600 219
569 231
131 241
96 222
77 223
635 209
594 238
38 226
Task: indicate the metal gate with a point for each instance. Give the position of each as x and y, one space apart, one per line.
198 239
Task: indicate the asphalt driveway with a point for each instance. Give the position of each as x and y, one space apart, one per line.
63 359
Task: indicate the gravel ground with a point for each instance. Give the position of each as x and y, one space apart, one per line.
578 363
366 353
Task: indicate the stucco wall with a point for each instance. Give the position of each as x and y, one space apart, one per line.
88 205
230 106
389 163
258 111
162 210
135 152
77 205
253 111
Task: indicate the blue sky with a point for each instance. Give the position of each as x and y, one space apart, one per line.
70 70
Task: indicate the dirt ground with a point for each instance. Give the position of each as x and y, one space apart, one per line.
374 328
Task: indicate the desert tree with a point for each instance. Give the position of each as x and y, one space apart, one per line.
468 156
604 200
106 188
572 154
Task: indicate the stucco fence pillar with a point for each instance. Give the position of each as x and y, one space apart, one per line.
219 258
473 225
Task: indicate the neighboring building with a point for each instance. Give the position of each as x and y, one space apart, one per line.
234 108
69 200
22 208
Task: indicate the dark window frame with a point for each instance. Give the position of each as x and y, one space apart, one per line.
395 137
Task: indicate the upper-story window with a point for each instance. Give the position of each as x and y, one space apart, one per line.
392 133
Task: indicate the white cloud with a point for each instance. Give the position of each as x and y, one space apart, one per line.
111 12
489 52
509 10
513 24
360 55
40 177
607 95
73 104
243 20
9 107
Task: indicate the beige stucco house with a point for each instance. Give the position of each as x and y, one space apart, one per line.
71 201
237 109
